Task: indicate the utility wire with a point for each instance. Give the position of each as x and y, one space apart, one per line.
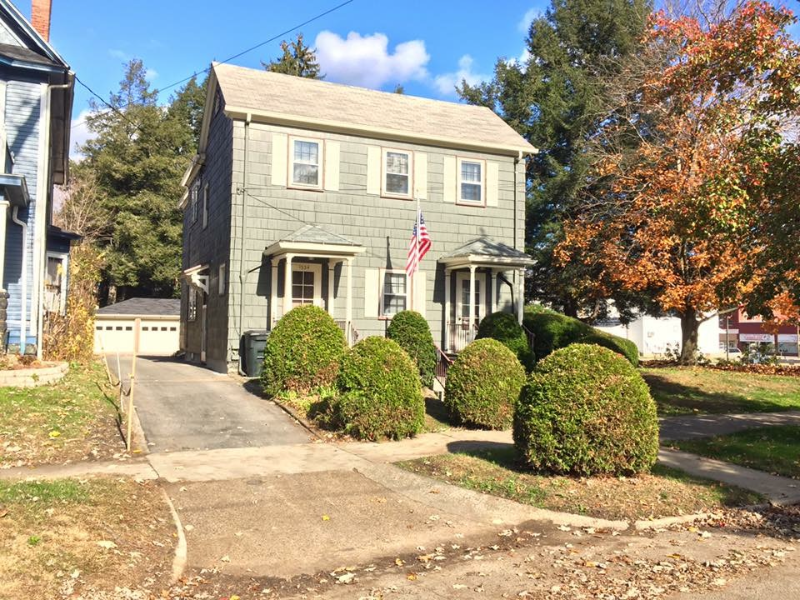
207 69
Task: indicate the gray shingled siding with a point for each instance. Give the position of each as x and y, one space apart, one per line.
210 246
382 225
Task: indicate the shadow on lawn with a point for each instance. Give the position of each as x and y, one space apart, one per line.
675 398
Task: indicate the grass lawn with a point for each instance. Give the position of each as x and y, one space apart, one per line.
74 419
687 390
66 537
663 493
772 449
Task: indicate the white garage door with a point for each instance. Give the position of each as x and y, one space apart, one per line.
159 337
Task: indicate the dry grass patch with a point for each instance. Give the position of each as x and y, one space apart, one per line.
663 493
74 419
66 537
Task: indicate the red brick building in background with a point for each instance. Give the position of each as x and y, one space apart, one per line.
740 330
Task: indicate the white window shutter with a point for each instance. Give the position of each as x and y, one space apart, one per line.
449 179
420 292
332 151
421 175
374 170
279 150
372 288
492 183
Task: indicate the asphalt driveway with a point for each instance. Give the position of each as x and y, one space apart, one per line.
187 407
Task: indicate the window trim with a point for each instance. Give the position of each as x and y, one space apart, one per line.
194 193
191 317
385 193
221 283
64 290
205 205
291 184
381 290
459 200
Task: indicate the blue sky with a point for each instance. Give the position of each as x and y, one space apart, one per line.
425 45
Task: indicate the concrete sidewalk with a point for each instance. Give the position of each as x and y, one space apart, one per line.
692 427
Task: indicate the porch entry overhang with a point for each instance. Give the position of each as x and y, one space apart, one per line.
197 277
303 254
474 262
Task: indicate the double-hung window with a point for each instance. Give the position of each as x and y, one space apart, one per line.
306 163
394 295
205 206
397 166
191 311
471 182
195 192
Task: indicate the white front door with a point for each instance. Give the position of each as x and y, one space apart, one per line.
306 284
463 298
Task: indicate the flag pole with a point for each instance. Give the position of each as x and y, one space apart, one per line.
414 273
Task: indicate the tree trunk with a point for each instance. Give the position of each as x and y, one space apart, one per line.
689 329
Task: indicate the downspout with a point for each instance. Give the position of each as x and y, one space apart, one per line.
242 274
23 328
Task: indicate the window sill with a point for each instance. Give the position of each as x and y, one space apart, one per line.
302 188
471 204
396 197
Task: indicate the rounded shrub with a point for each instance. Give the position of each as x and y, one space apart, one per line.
411 332
504 328
620 345
584 411
380 394
484 384
302 352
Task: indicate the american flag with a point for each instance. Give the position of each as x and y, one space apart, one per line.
416 251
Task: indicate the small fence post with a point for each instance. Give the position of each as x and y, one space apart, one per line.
136 330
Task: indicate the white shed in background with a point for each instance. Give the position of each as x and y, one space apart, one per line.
652 335
114 327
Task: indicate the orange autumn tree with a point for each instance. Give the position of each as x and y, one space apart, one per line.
676 209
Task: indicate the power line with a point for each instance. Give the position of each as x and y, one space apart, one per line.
230 58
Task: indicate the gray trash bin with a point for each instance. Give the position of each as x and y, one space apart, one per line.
254 343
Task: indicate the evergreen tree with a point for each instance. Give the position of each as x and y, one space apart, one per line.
554 99
136 159
297 59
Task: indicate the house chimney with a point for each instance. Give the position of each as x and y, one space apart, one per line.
40 17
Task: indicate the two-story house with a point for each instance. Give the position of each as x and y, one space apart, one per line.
306 191
36 94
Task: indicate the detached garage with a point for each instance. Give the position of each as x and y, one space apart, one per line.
114 327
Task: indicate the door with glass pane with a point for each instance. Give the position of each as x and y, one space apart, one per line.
306 284
463 298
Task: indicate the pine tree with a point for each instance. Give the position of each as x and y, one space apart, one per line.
297 59
136 159
554 99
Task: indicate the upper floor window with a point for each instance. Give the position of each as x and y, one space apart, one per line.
397 173
394 296
195 192
471 181
306 163
205 206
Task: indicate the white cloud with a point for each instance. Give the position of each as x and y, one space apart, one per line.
525 22
150 74
446 83
367 61
119 54
79 134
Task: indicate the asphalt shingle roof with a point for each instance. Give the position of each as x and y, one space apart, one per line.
486 246
144 307
360 108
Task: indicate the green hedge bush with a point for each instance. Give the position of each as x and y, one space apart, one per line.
413 334
380 393
302 352
504 328
584 411
483 385
553 330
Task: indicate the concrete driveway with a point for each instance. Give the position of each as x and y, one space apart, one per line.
187 407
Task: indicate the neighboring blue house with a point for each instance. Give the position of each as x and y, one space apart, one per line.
36 94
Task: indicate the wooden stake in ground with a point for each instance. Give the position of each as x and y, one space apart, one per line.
137 327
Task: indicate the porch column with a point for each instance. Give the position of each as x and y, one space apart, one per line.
273 293
493 297
331 290
520 294
447 310
349 309
287 285
472 317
